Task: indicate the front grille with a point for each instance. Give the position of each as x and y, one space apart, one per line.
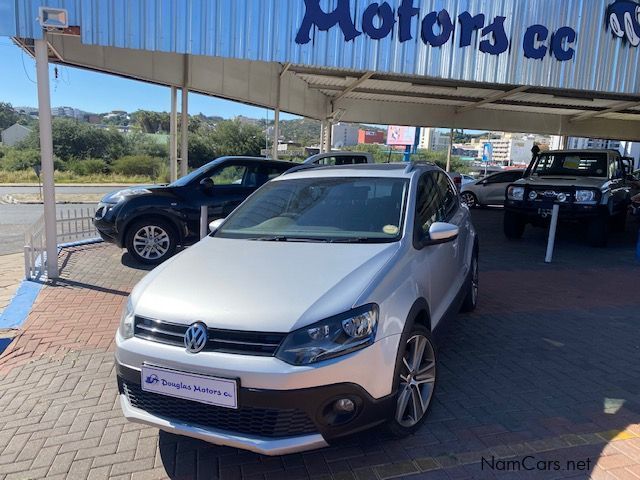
226 341
252 421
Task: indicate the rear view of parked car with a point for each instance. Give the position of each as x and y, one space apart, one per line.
490 190
308 314
151 221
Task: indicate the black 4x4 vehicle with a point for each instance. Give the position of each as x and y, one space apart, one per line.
591 186
151 221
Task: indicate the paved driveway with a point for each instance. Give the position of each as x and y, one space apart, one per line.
544 375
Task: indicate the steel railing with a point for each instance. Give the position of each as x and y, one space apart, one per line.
72 225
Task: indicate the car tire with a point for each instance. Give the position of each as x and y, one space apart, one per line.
514 225
416 380
471 299
151 241
598 231
469 199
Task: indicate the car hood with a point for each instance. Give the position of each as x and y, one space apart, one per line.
134 190
259 285
561 181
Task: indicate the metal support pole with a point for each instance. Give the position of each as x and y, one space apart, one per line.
323 125
449 150
204 220
173 136
276 128
46 155
564 140
184 125
552 233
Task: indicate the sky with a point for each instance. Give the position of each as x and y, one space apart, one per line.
101 93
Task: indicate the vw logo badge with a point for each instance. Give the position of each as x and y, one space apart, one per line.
195 338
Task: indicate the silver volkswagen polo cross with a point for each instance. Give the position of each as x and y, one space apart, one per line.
308 314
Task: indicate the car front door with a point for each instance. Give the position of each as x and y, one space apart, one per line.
437 266
493 190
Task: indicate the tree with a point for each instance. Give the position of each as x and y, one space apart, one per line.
231 137
8 116
73 139
151 122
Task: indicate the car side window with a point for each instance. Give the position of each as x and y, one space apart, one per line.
229 175
499 178
512 176
449 197
273 172
427 203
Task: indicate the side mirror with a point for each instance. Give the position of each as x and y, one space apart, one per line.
215 225
206 184
440 232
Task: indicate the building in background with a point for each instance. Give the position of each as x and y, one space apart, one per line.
512 149
344 135
371 136
14 134
579 143
433 139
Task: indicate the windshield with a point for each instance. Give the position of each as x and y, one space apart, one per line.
322 209
183 181
581 164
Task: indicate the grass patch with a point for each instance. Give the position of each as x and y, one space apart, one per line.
28 176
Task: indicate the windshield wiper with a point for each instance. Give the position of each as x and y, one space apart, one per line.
353 240
284 238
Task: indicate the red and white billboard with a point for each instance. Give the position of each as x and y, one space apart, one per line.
397 135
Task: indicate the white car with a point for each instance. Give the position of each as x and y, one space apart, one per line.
308 314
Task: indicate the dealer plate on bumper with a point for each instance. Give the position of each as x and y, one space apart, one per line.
222 392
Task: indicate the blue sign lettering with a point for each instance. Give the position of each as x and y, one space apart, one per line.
437 28
468 25
535 33
443 20
387 19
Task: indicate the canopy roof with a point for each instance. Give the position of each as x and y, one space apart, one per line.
243 49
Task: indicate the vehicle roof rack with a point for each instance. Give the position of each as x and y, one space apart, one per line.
302 166
418 163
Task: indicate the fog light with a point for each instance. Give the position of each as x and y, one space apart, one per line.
344 405
562 197
533 195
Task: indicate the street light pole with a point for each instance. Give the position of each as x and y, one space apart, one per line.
46 155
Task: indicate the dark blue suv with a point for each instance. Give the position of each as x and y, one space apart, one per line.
151 221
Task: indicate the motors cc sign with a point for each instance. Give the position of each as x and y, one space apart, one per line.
436 28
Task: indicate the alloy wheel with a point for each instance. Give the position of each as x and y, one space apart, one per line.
468 199
151 242
417 381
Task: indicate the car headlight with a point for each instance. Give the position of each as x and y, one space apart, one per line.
331 338
585 196
126 320
515 193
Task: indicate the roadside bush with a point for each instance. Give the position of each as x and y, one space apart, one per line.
137 165
88 166
14 159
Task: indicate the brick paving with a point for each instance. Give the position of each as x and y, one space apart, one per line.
544 375
11 274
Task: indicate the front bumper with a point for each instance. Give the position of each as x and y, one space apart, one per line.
568 211
269 422
281 408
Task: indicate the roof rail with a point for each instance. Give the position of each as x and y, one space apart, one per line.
416 163
302 166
